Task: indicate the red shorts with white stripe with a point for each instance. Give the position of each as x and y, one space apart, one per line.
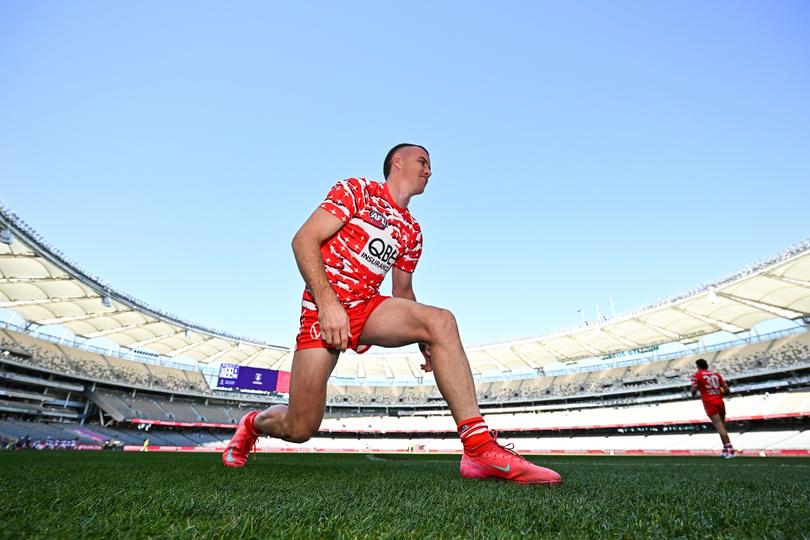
309 334
715 407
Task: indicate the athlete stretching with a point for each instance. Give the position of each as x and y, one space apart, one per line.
712 388
361 231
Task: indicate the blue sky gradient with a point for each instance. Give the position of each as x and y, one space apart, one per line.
581 151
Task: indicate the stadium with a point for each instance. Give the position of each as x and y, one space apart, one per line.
574 205
88 368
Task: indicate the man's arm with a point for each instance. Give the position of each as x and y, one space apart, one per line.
402 284
402 287
306 245
694 390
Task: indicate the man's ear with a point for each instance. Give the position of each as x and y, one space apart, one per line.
396 161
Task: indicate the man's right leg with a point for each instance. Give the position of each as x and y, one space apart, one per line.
295 422
720 425
300 420
397 322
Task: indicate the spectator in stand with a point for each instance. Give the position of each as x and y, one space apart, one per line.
712 388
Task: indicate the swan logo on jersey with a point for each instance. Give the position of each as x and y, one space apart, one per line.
377 219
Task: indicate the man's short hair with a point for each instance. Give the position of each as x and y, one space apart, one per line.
390 156
701 363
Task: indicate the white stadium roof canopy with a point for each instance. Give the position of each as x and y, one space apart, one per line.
45 288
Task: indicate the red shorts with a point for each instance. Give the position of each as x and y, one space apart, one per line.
309 334
715 407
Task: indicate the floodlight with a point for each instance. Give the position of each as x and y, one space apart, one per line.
6 237
712 297
106 301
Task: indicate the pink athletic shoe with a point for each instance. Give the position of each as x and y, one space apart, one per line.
493 461
243 441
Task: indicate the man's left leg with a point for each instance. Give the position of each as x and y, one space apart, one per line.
397 322
718 420
295 422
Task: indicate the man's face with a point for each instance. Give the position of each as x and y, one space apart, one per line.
415 169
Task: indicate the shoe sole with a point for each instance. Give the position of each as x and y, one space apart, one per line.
511 481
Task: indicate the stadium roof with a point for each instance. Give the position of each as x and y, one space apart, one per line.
45 288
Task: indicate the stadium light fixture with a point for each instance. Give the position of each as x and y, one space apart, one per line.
106 301
6 237
712 297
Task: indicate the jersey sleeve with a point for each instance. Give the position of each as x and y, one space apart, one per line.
413 250
346 198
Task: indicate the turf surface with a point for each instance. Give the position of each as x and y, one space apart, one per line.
160 495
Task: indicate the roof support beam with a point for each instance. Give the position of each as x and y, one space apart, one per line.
416 371
556 354
720 325
20 256
526 360
63 320
764 306
660 330
102 333
220 354
252 357
594 351
43 302
277 364
154 339
503 367
389 373
792 281
626 342
188 347
35 280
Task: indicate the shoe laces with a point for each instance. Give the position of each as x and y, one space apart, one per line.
509 447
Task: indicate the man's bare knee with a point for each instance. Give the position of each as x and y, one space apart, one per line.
299 434
443 325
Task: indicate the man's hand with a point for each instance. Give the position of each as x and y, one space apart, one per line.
425 349
334 323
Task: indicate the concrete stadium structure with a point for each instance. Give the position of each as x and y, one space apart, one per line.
529 388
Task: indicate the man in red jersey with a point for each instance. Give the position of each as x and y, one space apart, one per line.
361 231
712 388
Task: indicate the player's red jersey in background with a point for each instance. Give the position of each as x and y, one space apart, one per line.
709 384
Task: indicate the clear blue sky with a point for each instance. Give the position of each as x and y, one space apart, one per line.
581 151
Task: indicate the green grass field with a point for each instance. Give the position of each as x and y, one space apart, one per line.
161 495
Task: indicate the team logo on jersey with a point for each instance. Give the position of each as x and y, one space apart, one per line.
377 219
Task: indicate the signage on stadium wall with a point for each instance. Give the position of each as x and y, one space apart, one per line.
639 350
233 376
147 421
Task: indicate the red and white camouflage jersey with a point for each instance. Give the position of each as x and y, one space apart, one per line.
377 235
708 384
